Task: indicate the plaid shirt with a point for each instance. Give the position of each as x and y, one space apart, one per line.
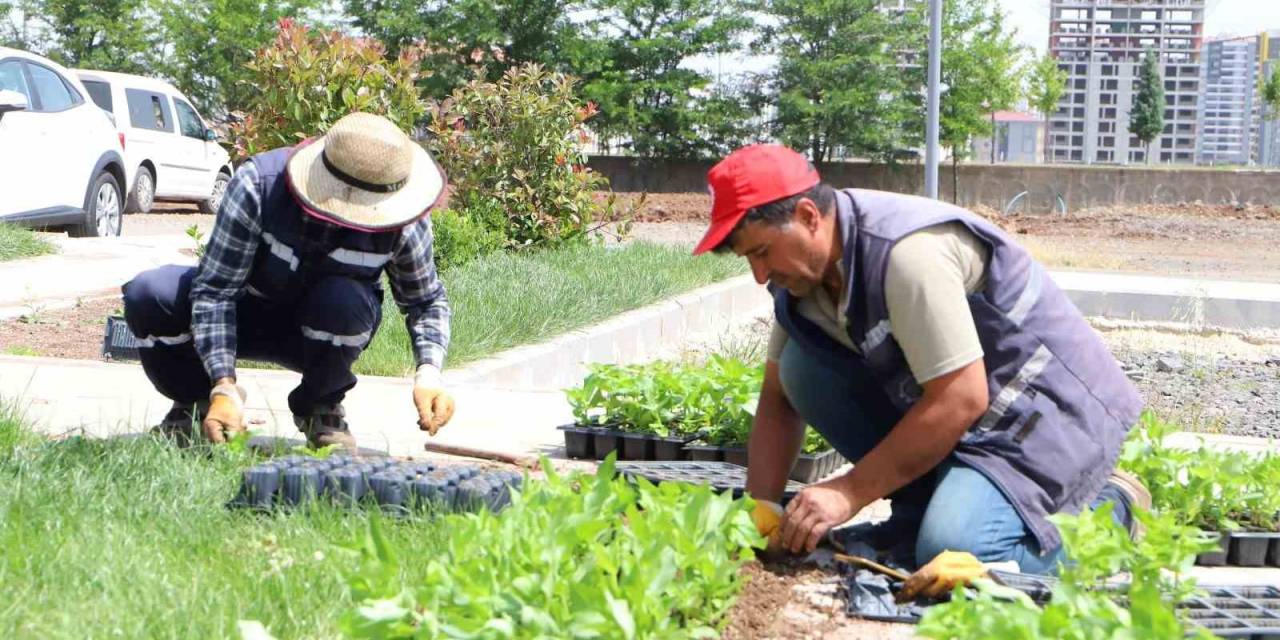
228 260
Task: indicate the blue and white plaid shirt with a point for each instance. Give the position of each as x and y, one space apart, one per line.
228 259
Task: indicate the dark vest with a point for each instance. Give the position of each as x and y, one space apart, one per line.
1060 404
296 249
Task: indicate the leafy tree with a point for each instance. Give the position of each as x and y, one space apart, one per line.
209 44
1146 118
19 25
1046 84
503 34
110 35
843 79
634 66
981 69
1271 103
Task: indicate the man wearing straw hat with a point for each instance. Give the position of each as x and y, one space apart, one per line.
292 275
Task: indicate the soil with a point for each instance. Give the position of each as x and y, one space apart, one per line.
75 333
793 602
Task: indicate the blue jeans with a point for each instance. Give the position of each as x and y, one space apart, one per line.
957 508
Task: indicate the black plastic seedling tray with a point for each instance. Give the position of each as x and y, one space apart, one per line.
394 485
118 342
722 476
1244 549
596 443
809 467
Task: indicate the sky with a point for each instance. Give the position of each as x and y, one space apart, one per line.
1222 17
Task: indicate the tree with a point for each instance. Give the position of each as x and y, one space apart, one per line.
842 80
981 67
1146 118
110 35
1271 107
634 67
209 44
459 34
1046 84
19 25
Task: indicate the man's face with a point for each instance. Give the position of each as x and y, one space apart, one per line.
792 255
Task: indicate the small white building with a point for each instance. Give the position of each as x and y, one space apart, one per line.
1019 138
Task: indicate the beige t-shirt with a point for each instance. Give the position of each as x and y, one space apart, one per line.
929 277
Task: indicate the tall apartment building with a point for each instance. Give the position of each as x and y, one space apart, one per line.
1229 109
1100 44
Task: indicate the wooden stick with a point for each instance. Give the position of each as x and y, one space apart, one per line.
526 462
872 565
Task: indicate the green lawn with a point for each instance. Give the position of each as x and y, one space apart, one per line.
507 300
16 242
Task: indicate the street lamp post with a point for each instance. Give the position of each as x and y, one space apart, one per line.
935 81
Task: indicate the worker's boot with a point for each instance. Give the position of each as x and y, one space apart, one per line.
326 425
182 422
1134 493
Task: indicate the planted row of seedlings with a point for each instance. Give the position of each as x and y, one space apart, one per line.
1233 495
394 485
667 411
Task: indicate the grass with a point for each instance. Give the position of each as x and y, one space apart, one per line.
507 300
130 539
16 242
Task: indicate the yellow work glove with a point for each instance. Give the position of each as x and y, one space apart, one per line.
434 404
226 412
941 575
768 518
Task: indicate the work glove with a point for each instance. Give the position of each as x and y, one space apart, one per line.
226 412
768 518
434 404
941 575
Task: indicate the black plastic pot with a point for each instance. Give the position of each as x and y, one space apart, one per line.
636 446
1249 549
606 442
389 489
579 442
429 492
1216 558
261 484
704 453
301 484
736 455
812 467
345 485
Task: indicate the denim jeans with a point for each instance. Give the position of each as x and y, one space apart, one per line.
955 507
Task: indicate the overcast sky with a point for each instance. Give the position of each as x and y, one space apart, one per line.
1222 17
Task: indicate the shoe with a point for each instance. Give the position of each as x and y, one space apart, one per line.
1135 494
325 426
182 422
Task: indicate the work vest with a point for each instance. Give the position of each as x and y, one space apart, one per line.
1060 405
297 250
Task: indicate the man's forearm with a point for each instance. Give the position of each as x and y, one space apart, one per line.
776 436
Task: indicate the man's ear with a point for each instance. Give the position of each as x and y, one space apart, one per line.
807 214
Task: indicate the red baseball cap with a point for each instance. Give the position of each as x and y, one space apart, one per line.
748 178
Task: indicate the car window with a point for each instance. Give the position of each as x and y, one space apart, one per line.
100 93
12 79
188 120
149 110
51 90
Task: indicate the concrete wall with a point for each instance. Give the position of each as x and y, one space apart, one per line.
991 185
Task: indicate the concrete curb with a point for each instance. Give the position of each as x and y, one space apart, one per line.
1198 303
631 337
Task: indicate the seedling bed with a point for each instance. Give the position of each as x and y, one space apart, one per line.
596 443
809 467
394 485
1244 549
722 476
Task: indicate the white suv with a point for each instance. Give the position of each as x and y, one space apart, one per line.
61 163
167 146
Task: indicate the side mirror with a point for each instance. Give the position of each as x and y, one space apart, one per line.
12 101
210 135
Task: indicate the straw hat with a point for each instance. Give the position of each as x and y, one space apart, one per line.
365 173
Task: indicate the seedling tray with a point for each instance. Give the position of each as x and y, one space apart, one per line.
722 476
393 485
118 342
1244 549
809 467
596 443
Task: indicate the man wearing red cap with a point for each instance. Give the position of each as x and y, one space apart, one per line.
930 350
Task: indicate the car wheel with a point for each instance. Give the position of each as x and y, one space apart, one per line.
103 212
144 192
210 206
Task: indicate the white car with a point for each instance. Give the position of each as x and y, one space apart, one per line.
170 151
61 163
